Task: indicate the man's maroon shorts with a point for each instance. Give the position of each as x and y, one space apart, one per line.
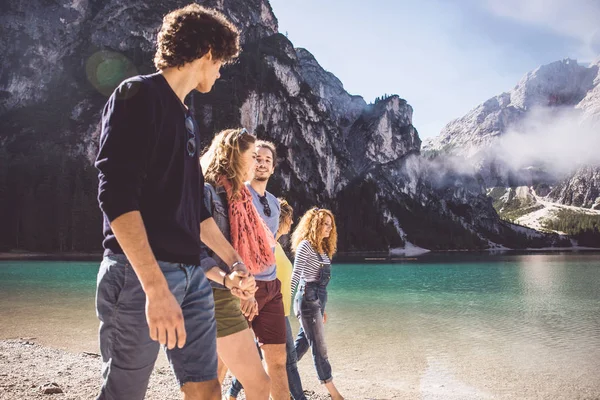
269 325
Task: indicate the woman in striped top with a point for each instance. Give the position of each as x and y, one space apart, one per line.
314 241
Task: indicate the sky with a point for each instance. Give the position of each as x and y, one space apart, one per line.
444 57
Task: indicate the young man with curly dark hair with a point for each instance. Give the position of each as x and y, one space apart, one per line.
152 288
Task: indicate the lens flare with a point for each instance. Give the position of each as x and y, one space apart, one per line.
106 69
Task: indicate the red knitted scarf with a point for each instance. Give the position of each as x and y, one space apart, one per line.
250 236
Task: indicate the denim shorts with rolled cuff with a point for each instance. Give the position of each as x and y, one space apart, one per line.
128 352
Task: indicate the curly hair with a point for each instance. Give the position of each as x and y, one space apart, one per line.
222 158
309 226
188 33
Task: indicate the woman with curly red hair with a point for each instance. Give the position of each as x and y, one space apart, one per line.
314 241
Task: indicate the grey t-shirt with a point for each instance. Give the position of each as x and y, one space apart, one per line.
270 273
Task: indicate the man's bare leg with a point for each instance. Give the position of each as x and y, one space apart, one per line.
276 358
209 390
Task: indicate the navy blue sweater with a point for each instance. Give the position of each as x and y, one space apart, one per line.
145 166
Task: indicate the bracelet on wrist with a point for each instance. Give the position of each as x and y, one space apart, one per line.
236 263
225 279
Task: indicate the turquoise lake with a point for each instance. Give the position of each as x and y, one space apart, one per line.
443 326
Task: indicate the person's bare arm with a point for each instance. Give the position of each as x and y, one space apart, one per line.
163 313
211 235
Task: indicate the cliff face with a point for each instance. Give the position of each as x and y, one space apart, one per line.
62 60
582 189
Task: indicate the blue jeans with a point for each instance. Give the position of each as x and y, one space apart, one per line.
310 302
128 352
291 366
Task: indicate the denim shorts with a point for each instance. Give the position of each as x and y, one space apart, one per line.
128 352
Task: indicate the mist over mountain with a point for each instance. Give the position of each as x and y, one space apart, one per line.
535 148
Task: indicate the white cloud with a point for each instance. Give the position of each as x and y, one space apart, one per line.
578 19
557 138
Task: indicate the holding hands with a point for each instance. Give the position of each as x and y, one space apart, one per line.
241 284
249 308
240 281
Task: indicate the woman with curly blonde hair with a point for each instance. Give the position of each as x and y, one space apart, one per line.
314 241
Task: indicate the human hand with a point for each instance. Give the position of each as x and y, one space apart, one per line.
249 308
240 285
243 281
165 318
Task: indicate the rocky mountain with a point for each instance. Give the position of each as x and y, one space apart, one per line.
539 98
62 59
540 189
582 189
562 83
